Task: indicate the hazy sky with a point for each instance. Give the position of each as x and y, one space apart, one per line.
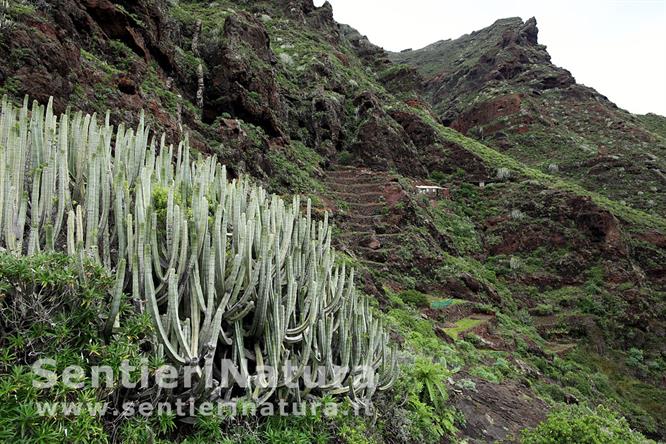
616 47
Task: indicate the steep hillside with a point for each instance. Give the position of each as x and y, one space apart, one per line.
499 86
533 278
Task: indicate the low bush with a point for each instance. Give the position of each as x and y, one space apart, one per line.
414 298
345 158
582 425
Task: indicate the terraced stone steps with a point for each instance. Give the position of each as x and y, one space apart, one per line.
351 187
352 179
359 195
356 234
371 234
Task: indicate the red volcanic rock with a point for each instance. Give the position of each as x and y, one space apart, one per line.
380 141
487 112
243 81
654 237
126 85
374 244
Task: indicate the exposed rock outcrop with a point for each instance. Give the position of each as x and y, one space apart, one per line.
242 79
380 141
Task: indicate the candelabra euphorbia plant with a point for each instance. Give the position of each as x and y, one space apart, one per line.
227 272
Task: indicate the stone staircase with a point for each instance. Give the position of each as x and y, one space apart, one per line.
361 200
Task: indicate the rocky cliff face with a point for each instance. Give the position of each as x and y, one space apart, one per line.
528 234
500 86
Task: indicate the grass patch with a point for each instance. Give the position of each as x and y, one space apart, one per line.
462 326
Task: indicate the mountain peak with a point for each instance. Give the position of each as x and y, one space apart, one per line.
506 52
499 84
510 30
522 32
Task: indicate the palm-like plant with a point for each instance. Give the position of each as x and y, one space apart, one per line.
430 382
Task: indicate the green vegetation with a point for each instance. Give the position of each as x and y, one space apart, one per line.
581 424
427 399
120 55
440 304
450 218
212 18
655 123
462 326
18 8
498 160
418 409
295 168
98 63
345 158
154 86
11 87
52 306
414 298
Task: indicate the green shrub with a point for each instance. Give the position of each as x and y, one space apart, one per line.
489 374
53 307
307 429
439 177
580 424
635 358
588 304
429 382
414 298
466 384
449 217
543 310
345 158
427 417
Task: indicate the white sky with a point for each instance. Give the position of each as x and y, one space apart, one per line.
617 47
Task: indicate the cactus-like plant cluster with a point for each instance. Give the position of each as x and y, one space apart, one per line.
5 21
226 271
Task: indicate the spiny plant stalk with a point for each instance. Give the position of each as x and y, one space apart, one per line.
224 269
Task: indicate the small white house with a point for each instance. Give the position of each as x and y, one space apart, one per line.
432 190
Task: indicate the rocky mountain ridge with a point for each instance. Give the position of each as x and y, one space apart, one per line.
500 86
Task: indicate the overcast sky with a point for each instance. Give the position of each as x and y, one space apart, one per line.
616 47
